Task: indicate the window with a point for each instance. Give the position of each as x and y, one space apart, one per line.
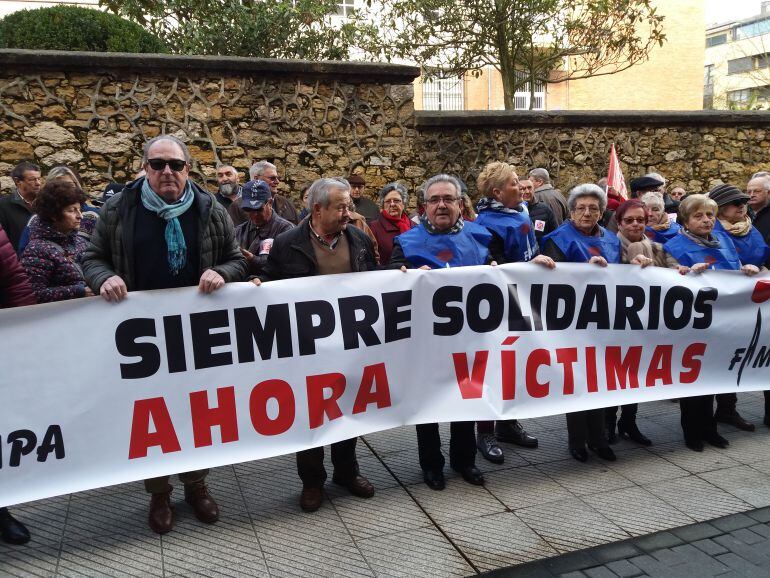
346 8
443 94
708 75
749 98
716 40
738 65
523 96
756 28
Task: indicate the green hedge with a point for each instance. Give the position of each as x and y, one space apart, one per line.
75 28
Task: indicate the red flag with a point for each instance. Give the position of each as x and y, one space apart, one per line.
616 184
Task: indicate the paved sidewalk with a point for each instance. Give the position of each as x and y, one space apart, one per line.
539 504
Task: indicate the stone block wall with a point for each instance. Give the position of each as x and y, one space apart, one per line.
94 111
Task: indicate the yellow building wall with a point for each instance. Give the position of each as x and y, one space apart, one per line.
672 79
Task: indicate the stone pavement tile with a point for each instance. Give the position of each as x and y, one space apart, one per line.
243 569
748 448
276 490
587 478
637 511
761 529
575 574
697 561
694 462
45 520
651 567
756 556
123 511
744 482
524 487
657 541
545 423
760 515
258 468
128 555
373 470
552 446
459 500
570 524
497 540
389 511
644 467
694 532
323 528
414 554
697 498
761 465
224 486
26 562
744 567
746 536
193 545
405 466
599 572
624 569
293 559
394 440
513 459
733 522
615 551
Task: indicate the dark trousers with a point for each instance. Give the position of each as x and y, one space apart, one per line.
767 405
698 421
485 427
627 414
160 485
462 445
586 427
726 403
310 463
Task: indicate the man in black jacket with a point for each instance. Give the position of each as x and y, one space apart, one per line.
541 215
16 208
324 244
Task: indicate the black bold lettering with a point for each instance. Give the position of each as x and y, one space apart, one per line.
22 442
172 331
594 308
476 296
441 309
535 300
52 442
703 306
516 320
627 314
653 310
204 341
126 335
391 304
352 327
559 293
677 295
274 334
307 331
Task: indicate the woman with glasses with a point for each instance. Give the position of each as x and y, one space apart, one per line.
392 220
580 239
696 248
733 220
659 227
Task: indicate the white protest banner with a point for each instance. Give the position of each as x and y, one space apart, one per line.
95 394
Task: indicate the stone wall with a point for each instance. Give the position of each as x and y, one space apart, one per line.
93 112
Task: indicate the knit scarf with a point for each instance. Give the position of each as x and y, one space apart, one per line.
402 222
643 247
663 225
488 204
456 228
740 229
175 243
711 242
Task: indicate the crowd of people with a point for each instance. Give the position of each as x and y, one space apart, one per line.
162 230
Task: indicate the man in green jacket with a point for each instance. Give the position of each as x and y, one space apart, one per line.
163 231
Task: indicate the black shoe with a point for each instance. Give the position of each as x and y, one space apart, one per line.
735 420
694 445
512 432
604 452
631 432
489 449
716 440
434 479
612 437
11 530
580 454
471 474
767 419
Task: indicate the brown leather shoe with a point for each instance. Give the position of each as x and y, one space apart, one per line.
161 513
204 506
358 485
311 498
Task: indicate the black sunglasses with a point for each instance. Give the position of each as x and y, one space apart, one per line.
160 164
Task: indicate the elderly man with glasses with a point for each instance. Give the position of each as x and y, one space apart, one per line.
164 231
265 171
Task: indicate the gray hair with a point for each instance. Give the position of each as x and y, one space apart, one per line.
653 199
62 171
393 187
541 175
170 137
319 191
760 174
258 168
441 178
587 190
763 176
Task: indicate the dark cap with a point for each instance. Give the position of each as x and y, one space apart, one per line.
356 180
254 195
109 191
726 194
643 183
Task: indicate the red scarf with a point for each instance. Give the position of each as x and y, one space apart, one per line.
403 223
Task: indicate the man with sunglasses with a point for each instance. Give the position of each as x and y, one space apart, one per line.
164 231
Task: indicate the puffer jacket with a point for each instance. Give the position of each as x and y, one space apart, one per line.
15 289
111 251
52 262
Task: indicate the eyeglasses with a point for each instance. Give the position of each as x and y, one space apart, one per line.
33 179
589 210
176 165
393 202
629 220
445 200
273 179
